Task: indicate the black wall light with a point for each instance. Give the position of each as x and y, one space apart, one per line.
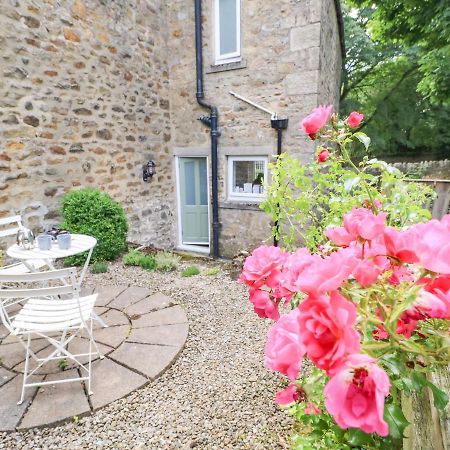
148 170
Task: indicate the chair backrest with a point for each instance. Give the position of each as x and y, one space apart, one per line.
9 226
12 295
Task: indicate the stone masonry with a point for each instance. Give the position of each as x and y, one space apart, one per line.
92 89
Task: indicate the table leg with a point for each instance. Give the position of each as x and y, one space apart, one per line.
85 267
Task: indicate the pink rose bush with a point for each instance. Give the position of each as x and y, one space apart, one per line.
325 326
370 305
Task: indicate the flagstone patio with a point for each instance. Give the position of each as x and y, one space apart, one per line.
146 332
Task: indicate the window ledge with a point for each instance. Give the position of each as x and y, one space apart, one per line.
213 68
243 205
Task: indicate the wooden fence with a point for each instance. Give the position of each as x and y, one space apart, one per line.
430 429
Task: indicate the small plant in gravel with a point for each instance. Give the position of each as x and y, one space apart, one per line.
166 261
137 258
148 262
133 258
213 271
190 271
99 267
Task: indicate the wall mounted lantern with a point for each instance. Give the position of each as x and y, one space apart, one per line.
148 171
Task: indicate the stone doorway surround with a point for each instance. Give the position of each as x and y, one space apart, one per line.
146 332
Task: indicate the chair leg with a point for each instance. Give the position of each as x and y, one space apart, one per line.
27 358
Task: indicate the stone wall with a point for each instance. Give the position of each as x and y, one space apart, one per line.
92 89
280 69
84 102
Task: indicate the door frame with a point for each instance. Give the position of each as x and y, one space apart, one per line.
192 247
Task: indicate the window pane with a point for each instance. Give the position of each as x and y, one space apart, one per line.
248 177
227 26
189 182
203 182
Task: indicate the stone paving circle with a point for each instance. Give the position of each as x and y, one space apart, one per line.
146 332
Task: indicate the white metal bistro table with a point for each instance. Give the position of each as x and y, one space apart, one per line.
80 243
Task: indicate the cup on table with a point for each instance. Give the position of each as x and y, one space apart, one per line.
64 241
44 242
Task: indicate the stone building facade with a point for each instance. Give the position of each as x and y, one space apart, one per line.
90 90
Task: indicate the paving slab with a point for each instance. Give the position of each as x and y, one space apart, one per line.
55 402
150 360
111 381
4 332
112 318
112 336
175 335
81 345
148 304
167 316
107 293
10 411
129 297
87 290
5 375
14 353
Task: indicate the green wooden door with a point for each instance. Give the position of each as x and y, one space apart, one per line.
194 201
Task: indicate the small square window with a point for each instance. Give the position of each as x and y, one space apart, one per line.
227 31
246 178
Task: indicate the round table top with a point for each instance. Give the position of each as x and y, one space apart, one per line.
79 244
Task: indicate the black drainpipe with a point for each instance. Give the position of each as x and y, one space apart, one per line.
212 122
279 125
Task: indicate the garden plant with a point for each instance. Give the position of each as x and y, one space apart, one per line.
359 291
92 212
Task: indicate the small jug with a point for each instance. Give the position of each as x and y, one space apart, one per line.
25 238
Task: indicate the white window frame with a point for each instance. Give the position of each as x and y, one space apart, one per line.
245 196
227 57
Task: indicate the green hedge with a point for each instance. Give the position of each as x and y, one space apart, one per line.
90 211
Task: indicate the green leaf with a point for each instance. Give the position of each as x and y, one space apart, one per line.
395 365
363 138
397 422
358 438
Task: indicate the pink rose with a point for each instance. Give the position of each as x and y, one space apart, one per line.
433 248
263 305
261 264
289 395
284 350
430 306
355 395
401 244
363 223
324 274
366 272
323 155
326 330
354 119
316 120
339 235
400 274
295 264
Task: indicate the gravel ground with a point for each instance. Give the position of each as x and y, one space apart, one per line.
217 395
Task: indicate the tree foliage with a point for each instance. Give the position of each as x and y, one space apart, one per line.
393 74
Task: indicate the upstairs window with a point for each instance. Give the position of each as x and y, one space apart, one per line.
227 31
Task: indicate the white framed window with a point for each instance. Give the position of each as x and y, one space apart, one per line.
227 31
246 178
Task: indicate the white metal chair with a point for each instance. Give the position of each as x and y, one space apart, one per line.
57 314
9 226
